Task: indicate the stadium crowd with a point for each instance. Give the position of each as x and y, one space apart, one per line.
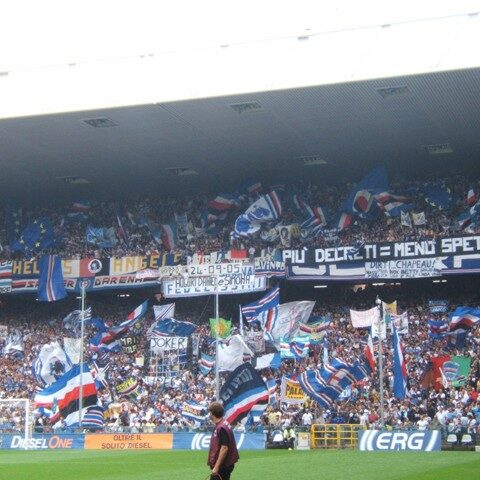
158 401
134 227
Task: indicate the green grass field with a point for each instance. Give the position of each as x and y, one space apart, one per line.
262 465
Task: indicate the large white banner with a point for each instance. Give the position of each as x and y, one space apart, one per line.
161 344
283 322
365 318
417 268
224 284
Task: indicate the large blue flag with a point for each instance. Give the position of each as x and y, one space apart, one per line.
361 197
169 327
50 282
438 195
243 389
37 235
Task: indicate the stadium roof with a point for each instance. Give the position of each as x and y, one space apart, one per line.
324 102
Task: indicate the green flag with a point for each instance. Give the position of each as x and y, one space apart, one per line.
463 371
224 327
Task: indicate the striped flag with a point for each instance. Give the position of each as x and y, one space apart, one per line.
194 411
164 311
6 276
107 340
243 389
62 397
464 318
50 283
206 363
368 351
400 378
268 301
93 418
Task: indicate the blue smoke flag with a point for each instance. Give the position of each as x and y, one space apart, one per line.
50 283
271 300
243 389
400 378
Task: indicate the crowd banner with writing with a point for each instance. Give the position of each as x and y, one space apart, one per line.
416 268
223 284
129 344
365 318
161 344
449 256
291 392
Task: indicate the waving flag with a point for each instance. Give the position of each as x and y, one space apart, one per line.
232 353
51 363
297 348
93 418
268 301
317 218
400 378
360 198
268 207
471 197
194 411
169 236
224 327
169 327
437 329
243 389
107 340
438 196
62 397
164 311
206 363
37 235
101 237
369 354
50 283
464 318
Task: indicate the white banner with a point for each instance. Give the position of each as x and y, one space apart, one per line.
417 268
161 344
227 285
207 269
365 318
401 323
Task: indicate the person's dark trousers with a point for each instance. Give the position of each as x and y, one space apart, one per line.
224 473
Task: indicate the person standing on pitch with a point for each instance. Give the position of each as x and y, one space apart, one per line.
223 453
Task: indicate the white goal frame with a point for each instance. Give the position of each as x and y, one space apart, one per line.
27 433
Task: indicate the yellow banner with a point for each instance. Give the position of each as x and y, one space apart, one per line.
291 391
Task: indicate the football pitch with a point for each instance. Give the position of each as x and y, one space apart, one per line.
261 465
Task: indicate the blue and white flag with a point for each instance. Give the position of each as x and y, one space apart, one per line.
464 318
50 282
438 195
169 236
361 197
268 301
244 227
243 389
400 378
92 418
164 311
194 411
206 363
52 362
269 360
101 237
267 208
169 327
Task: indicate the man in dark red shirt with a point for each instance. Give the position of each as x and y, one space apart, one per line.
223 452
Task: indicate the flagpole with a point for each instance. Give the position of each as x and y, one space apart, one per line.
82 332
240 319
217 327
380 361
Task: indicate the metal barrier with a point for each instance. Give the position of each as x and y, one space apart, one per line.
333 435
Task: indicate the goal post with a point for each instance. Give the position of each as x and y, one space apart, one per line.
16 417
